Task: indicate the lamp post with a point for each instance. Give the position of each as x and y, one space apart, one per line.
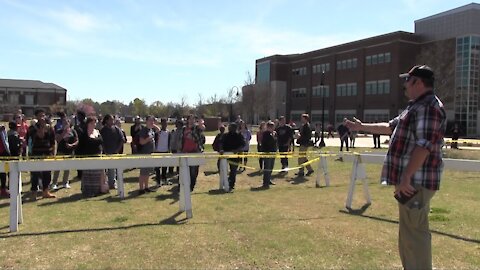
322 141
231 118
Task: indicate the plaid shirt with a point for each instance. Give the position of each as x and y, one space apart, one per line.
423 124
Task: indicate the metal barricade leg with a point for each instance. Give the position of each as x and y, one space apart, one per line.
224 175
351 187
15 198
185 195
120 184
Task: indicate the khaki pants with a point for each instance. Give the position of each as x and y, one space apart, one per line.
414 238
301 160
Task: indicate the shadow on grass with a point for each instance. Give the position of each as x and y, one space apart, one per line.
69 199
256 173
173 220
208 173
173 194
217 192
298 180
360 213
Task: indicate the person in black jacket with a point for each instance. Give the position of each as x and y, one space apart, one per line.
304 141
232 142
269 145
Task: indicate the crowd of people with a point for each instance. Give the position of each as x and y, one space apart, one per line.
82 136
272 137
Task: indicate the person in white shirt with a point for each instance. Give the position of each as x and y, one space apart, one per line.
162 145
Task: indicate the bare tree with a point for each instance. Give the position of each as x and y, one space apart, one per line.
438 55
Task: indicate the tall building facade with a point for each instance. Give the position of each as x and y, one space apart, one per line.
360 78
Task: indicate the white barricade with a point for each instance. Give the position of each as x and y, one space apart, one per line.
358 171
322 165
116 162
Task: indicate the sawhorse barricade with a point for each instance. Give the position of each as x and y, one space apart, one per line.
116 162
358 171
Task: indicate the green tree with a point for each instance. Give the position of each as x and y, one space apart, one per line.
139 107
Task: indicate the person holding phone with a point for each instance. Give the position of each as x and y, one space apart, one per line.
413 163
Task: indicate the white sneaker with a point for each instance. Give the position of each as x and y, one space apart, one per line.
54 187
67 185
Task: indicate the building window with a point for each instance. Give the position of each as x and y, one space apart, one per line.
377 87
347 64
1 98
317 117
13 98
388 58
378 58
299 92
29 99
263 72
319 91
321 68
299 71
368 59
295 117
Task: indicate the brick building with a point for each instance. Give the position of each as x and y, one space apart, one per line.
30 95
360 78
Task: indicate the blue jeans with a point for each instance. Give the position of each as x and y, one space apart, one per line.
267 170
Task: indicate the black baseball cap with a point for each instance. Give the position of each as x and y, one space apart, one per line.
420 71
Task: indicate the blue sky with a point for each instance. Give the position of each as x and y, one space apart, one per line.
166 50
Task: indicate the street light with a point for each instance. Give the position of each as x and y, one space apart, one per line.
231 118
322 141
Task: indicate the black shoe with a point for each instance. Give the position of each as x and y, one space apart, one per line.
141 192
300 174
149 190
265 187
310 173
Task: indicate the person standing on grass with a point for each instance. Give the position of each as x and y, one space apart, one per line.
343 134
112 144
413 163
232 142
93 181
285 136
162 142
269 144
376 141
217 143
81 129
192 141
247 136
22 129
261 129
118 123
4 152
42 136
134 129
146 145
304 141
67 140
175 137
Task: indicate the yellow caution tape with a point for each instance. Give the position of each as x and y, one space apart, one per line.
309 154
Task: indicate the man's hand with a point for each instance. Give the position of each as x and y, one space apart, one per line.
355 125
404 188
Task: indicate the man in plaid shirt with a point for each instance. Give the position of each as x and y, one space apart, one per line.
413 162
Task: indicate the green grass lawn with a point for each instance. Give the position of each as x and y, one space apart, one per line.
291 225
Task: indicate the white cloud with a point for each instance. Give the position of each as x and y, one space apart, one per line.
75 20
265 41
173 24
